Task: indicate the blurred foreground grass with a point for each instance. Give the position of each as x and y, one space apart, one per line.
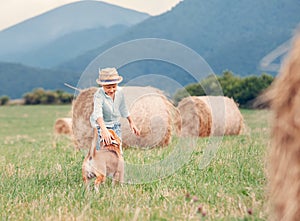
41 175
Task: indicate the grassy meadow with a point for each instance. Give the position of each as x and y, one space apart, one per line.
41 175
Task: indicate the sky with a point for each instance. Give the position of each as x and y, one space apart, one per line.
15 11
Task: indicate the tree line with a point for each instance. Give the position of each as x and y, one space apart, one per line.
242 90
41 96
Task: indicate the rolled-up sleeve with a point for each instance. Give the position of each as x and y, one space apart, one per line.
97 111
98 104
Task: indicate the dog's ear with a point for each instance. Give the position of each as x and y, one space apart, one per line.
116 143
116 137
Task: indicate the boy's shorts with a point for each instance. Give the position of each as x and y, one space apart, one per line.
116 127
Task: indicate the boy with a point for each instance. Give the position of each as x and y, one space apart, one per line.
109 106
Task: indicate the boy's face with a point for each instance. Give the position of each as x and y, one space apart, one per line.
110 89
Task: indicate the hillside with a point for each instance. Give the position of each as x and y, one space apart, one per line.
17 79
69 46
79 21
235 35
230 35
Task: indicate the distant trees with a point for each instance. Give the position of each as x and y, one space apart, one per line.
242 90
41 96
4 100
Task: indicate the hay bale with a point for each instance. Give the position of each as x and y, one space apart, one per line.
196 117
210 115
155 116
63 126
151 111
283 162
175 118
82 108
226 116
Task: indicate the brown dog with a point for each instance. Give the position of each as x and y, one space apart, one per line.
106 161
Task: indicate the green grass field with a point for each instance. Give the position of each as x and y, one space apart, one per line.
41 175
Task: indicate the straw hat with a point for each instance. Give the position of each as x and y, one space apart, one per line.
108 76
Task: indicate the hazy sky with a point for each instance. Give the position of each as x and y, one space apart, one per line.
15 11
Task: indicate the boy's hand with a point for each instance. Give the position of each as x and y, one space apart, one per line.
135 130
106 136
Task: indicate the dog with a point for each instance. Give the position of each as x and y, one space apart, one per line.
104 162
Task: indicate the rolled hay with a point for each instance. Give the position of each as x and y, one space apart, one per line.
63 126
155 116
195 117
152 112
226 116
283 162
175 118
82 108
210 115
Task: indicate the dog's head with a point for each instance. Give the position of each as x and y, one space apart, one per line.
115 145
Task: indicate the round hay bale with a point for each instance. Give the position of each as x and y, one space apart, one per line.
63 126
196 117
152 112
217 116
82 108
283 164
226 116
155 116
176 118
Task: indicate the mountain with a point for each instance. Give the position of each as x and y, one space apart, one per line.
17 79
236 35
243 36
76 25
69 46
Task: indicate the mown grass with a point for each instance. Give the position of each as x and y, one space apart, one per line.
41 175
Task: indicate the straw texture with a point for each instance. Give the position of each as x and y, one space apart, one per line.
63 126
155 116
82 109
284 158
210 115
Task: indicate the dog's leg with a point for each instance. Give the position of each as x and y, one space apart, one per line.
118 177
94 143
86 182
121 169
85 178
99 180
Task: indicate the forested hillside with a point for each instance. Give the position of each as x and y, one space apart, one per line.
17 79
230 35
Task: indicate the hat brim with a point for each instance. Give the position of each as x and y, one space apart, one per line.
107 82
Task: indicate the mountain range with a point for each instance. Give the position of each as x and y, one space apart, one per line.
243 36
65 32
31 48
230 35
17 79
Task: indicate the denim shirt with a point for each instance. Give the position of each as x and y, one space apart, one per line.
110 110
